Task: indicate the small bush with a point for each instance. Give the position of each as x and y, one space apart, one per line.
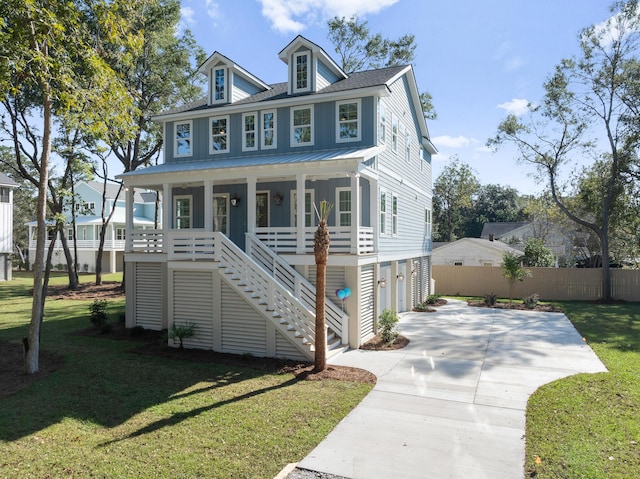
490 299
432 299
422 308
98 310
387 324
182 332
532 301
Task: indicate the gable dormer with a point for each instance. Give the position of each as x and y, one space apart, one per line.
310 68
228 82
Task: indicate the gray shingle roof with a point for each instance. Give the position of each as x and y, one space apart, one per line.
355 81
6 181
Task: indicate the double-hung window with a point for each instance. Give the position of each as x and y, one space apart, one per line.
348 121
427 223
394 132
382 121
269 132
219 85
301 73
4 194
219 134
302 126
249 131
120 234
344 206
182 139
407 145
182 209
394 215
383 212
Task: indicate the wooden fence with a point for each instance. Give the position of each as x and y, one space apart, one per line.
549 283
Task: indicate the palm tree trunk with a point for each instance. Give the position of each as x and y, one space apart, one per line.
321 329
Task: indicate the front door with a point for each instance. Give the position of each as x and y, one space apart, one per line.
262 209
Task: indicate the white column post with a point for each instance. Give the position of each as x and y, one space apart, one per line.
355 213
251 204
374 212
167 212
128 227
208 205
300 213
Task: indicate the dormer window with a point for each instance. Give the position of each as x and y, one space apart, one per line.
219 84
301 72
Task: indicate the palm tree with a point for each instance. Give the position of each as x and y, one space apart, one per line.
321 241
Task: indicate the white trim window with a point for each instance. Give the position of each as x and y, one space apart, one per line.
301 76
120 234
348 121
343 209
219 134
407 145
309 200
382 121
394 215
427 223
70 234
394 132
269 130
383 213
5 194
182 211
249 131
302 126
219 85
221 212
182 138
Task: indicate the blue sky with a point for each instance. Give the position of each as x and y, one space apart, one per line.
479 60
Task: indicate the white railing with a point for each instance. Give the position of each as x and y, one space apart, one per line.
109 244
147 241
302 289
260 284
284 239
191 244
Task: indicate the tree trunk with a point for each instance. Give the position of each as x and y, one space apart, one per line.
32 343
321 329
607 297
73 276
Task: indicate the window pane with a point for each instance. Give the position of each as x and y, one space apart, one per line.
218 134
301 72
183 139
219 84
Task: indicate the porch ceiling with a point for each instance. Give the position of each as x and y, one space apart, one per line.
315 164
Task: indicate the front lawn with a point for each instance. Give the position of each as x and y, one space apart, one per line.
107 412
588 426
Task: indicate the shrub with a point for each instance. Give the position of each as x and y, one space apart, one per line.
98 310
423 308
387 323
182 332
531 302
85 267
490 299
432 298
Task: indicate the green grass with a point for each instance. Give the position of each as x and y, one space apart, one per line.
588 426
110 413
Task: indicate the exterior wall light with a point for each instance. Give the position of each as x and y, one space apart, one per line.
277 199
235 201
382 282
400 277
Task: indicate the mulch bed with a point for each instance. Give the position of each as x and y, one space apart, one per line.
548 308
87 291
12 375
377 344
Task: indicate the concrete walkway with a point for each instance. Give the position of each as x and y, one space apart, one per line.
452 403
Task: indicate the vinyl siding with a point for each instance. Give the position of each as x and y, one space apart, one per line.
192 304
243 329
148 295
284 349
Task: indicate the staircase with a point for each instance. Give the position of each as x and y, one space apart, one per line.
280 294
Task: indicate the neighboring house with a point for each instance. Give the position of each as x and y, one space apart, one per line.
471 252
89 222
243 172
6 225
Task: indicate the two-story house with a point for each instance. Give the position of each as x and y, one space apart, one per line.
244 170
88 224
6 225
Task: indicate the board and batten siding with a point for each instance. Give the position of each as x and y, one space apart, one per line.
148 297
192 304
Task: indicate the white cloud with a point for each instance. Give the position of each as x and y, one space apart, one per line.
186 14
213 9
504 54
292 16
517 106
446 141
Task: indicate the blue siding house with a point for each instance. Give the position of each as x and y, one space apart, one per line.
243 171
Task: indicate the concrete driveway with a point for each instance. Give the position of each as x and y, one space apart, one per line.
452 403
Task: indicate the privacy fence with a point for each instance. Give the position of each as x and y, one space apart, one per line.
549 283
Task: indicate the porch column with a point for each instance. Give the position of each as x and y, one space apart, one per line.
112 250
251 204
167 211
300 213
128 227
374 212
355 213
208 205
